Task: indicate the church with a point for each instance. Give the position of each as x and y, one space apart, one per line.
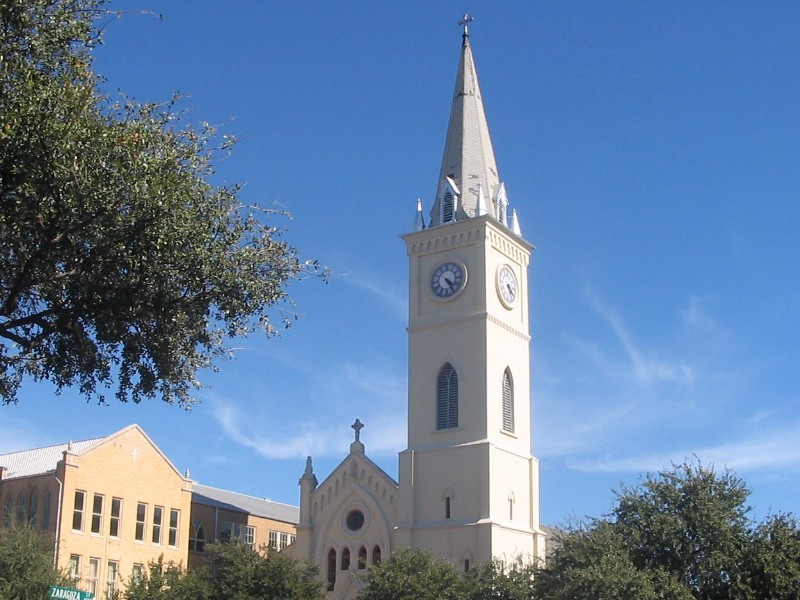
468 487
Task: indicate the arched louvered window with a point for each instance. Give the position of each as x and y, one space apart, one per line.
508 402
502 211
502 205
447 398
331 569
448 207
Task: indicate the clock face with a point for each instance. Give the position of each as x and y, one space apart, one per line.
507 286
448 279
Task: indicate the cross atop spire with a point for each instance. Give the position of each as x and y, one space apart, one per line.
463 21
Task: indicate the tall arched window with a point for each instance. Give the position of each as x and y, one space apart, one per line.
362 557
197 536
376 554
21 505
33 507
508 402
447 398
8 512
331 569
345 559
46 510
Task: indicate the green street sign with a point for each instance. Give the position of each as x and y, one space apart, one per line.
62 593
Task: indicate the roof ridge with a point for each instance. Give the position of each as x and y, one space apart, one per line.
54 445
261 498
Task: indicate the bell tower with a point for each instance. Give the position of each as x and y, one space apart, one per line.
469 486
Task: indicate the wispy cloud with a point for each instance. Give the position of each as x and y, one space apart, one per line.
645 367
775 449
392 296
695 315
375 393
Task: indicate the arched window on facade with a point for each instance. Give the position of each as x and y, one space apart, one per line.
376 555
331 569
22 502
8 511
197 536
46 510
447 398
508 402
362 557
345 559
33 507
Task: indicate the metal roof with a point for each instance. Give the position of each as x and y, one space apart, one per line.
260 507
39 461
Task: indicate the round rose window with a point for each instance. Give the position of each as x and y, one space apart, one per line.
355 520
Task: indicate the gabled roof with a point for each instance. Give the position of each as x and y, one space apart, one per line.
39 461
234 501
358 454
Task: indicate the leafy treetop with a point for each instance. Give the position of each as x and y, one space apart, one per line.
121 263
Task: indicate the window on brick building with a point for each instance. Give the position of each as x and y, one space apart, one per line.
74 568
141 521
116 515
111 579
158 519
174 518
94 572
77 510
197 537
97 513
33 508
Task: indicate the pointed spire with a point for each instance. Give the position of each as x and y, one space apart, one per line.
468 154
515 227
419 220
481 208
308 478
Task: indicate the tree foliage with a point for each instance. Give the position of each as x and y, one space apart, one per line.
680 534
121 264
496 581
414 574
239 572
236 572
26 564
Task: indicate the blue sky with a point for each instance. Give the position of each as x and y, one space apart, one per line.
652 151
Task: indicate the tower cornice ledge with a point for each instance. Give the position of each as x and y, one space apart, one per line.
462 233
481 316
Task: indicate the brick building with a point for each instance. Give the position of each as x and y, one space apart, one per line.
221 515
115 503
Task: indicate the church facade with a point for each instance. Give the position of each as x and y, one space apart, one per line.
468 487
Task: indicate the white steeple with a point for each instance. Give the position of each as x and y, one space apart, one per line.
468 160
